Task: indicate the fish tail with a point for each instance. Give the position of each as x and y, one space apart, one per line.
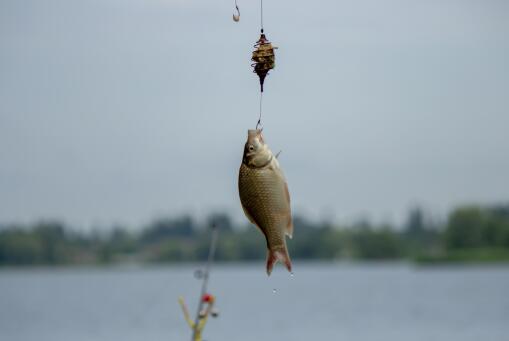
278 255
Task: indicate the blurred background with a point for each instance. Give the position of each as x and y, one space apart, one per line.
122 125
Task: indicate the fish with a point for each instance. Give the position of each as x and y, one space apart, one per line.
265 198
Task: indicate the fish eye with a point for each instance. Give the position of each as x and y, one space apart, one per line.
251 148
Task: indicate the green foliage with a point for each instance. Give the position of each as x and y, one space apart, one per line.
168 228
45 243
18 247
221 220
173 250
475 227
376 244
470 234
472 255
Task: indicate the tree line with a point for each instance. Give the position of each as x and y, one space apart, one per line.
469 234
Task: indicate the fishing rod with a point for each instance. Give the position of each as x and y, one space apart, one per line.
205 275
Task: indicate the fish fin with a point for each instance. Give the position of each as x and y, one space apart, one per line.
287 193
248 215
289 228
289 225
278 255
251 219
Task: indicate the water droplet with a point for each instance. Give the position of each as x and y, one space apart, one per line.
274 291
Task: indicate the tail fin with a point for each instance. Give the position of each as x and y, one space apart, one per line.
278 255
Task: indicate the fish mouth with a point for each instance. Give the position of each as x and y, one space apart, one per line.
255 134
260 157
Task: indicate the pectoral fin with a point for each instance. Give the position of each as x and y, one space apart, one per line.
251 219
289 225
248 215
289 228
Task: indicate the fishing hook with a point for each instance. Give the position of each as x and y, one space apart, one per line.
258 124
236 17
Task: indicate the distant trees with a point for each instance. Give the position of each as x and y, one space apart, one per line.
18 247
471 233
474 227
221 220
44 243
377 244
168 228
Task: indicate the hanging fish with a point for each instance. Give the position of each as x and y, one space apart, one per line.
263 58
265 198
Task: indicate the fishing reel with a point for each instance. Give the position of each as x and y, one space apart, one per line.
263 57
214 313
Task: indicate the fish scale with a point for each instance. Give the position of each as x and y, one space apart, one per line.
264 197
260 199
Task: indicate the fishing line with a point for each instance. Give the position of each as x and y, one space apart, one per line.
261 15
259 123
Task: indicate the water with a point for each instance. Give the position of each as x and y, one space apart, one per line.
379 302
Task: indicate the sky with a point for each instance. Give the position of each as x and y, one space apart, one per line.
121 111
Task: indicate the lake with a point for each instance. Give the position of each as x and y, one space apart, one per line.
322 301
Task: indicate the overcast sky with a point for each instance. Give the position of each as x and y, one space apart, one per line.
119 111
